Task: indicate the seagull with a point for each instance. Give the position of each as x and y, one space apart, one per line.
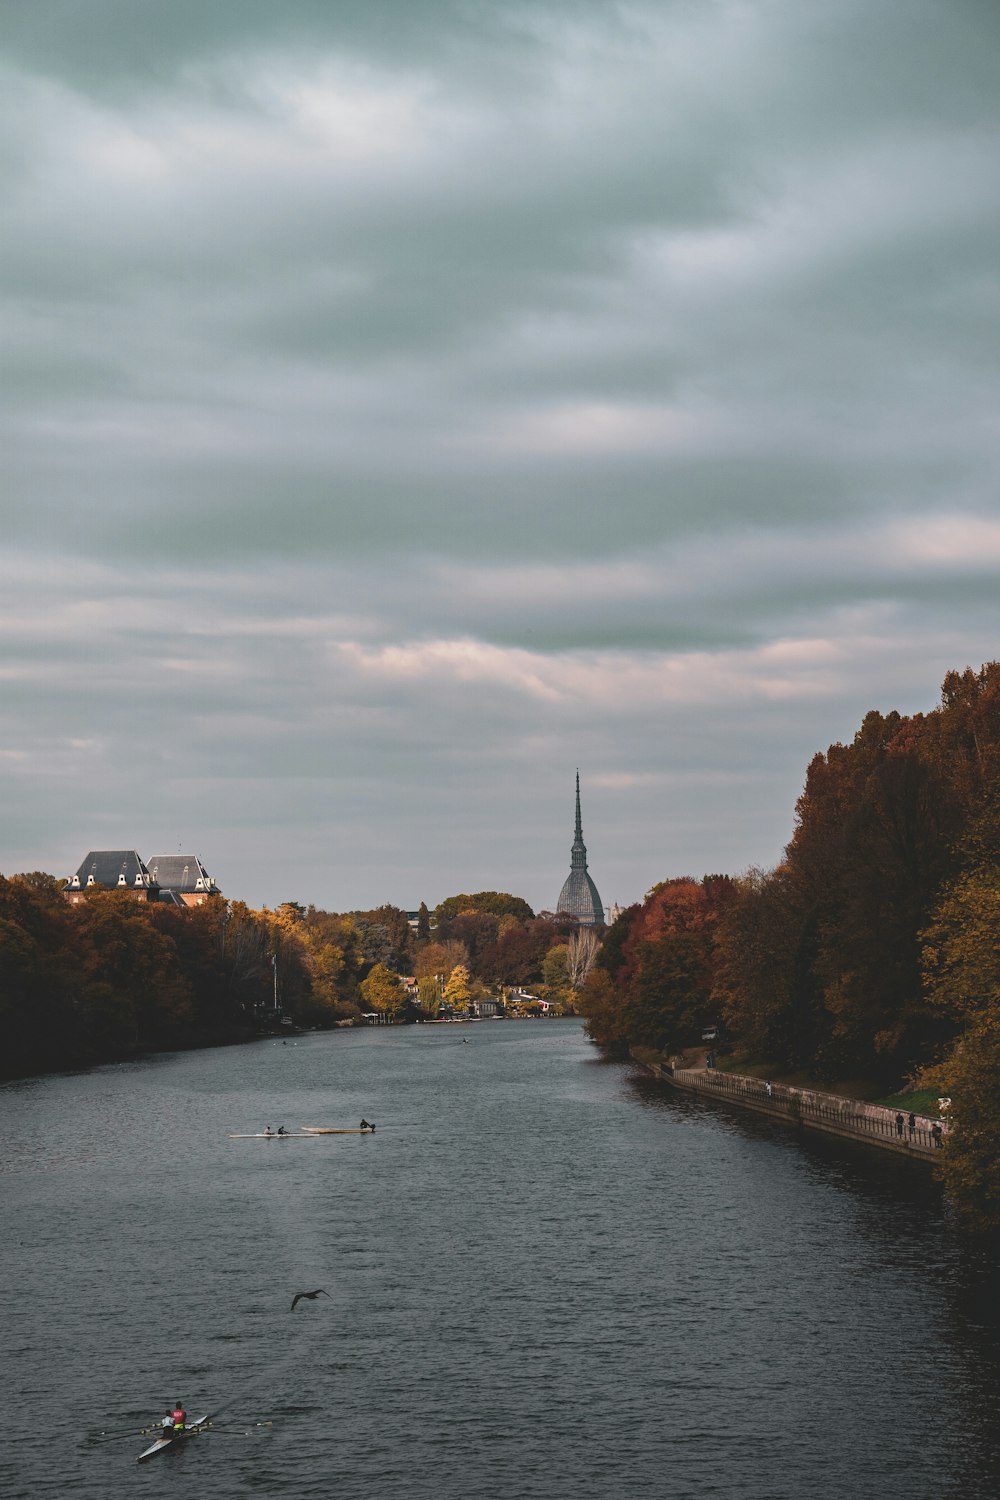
310 1297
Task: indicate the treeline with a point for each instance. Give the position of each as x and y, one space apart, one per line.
871 954
111 976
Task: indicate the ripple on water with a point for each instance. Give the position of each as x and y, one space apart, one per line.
548 1278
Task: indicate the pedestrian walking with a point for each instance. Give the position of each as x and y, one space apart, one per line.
911 1124
899 1126
936 1134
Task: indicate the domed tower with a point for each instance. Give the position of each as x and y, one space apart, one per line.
579 894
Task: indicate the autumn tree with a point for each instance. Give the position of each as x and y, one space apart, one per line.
763 989
440 958
383 991
133 988
961 956
458 989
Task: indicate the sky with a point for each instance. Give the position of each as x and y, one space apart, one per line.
407 402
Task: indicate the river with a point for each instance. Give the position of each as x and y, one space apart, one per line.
548 1277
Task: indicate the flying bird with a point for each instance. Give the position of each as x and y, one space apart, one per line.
309 1296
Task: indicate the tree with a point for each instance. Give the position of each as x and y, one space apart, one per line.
133 985
970 1159
429 994
423 923
497 903
555 970
440 958
600 1003
961 958
458 990
762 990
581 951
383 991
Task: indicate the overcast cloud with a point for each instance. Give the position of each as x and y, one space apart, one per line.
405 402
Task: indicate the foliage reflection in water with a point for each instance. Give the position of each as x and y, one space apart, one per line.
548 1277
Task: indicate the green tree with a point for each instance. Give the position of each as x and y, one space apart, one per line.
555 968
496 903
429 994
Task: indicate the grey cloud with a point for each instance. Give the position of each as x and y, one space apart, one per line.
626 350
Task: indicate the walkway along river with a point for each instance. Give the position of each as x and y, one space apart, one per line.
833 1114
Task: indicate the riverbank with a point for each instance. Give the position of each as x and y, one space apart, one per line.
807 1109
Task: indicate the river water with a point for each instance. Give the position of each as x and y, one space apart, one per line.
548 1277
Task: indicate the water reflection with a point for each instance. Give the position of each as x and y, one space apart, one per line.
549 1277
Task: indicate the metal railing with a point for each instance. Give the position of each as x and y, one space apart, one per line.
850 1116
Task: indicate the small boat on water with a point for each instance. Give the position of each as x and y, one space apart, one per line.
273 1135
174 1439
337 1130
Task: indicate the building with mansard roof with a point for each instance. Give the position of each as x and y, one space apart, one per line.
114 869
175 879
579 896
182 879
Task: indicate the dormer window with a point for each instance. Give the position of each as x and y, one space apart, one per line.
122 880
91 880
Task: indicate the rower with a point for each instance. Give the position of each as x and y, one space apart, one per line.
365 1126
178 1416
281 1130
268 1130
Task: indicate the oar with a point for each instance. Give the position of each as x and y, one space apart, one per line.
243 1433
113 1437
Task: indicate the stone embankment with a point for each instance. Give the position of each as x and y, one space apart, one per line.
852 1119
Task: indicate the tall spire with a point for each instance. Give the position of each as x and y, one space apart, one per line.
578 855
579 895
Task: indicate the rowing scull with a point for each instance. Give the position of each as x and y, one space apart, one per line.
163 1443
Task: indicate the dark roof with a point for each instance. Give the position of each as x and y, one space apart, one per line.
113 868
181 872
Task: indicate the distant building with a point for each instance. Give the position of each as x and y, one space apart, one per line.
182 879
579 895
114 869
176 879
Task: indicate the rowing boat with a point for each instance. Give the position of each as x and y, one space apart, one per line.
163 1443
262 1135
332 1130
